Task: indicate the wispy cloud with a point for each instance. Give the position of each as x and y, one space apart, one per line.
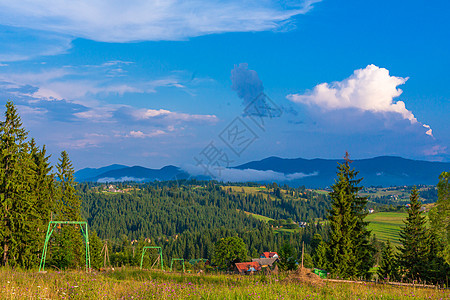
88 140
121 179
149 20
81 82
147 114
140 134
370 89
22 44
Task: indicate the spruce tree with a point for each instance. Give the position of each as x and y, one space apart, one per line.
412 258
387 269
68 208
17 210
320 256
440 215
287 260
69 203
438 269
42 186
349 254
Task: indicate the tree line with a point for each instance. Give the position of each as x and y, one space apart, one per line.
188 219
31 195
347 252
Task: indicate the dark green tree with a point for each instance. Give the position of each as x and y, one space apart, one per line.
68 207
349 254
413 252
17 202
69 203
61 249
288 261
320 256
229 251
316 240
387 269
440 215
96 247
438 269
42 185
308 261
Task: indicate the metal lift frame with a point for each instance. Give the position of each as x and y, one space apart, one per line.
177 259
159 253
51 227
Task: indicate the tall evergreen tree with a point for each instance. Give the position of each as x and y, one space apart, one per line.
17 210
43 182
349 254
69 203
440 215
438 269
42 186
319 253
288 259
68 209
412 258
388 267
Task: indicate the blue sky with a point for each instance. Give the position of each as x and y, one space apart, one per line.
174 82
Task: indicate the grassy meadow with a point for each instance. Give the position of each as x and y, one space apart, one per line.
136 284
386 225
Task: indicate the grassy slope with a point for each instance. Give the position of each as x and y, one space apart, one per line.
386 225
134 284
258 217
266 219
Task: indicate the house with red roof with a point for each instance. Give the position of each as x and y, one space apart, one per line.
269 255
247 267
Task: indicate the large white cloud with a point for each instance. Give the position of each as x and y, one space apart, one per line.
137 20
370 89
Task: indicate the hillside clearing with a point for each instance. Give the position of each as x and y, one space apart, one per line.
386 225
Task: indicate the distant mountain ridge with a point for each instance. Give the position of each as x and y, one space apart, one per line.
378 171
136 173
382 170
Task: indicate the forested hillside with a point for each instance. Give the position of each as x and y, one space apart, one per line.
188 219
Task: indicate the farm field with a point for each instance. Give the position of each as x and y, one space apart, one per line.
136 284
386 225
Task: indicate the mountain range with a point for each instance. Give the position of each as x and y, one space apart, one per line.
378 171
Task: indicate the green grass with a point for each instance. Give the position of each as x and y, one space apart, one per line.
267 219
259 217
131 283
323 192
386 225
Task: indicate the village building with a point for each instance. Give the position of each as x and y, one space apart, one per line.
195 261
266 262
247 267
269 255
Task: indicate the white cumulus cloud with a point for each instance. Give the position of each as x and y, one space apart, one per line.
369 89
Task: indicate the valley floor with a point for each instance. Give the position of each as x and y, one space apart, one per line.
135 284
